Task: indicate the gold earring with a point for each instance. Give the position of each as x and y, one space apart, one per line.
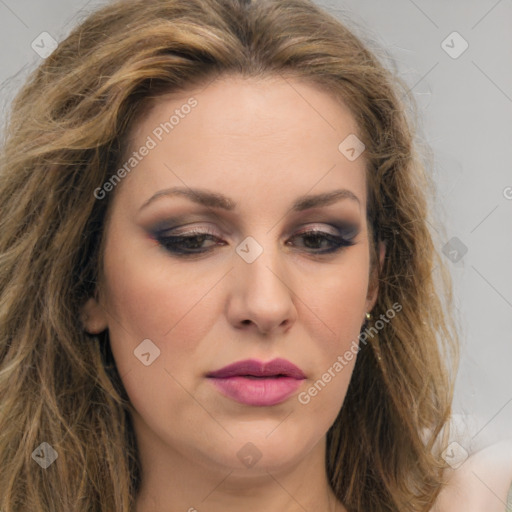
368 316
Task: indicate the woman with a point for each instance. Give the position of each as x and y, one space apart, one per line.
219 289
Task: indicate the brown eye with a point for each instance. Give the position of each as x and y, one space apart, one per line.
316 240
188 243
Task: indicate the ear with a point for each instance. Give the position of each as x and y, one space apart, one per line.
93 317
373 288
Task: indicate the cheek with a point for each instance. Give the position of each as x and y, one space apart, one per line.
340 305
174 307
339 299
149 297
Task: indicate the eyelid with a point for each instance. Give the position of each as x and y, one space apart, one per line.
175 231
345 230
335 227
308 228
219 226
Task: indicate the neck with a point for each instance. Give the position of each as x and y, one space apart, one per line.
177 480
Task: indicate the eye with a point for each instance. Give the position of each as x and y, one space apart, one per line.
189 243
316 239
192 242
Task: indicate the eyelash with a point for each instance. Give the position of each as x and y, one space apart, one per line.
171 243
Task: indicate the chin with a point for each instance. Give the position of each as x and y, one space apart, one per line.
261 447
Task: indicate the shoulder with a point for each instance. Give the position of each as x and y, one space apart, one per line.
481 483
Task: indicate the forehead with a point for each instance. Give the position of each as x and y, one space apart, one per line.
250 136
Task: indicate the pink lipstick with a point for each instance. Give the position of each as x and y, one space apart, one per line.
256 383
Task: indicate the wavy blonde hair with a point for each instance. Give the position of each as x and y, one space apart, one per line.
66 135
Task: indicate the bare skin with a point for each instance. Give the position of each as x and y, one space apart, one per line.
480 483
262 143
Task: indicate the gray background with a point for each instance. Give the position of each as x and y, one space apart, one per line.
465 107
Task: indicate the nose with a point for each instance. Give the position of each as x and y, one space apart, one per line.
261 295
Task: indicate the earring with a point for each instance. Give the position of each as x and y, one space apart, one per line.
368 317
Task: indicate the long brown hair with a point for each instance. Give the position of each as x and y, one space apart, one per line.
65 138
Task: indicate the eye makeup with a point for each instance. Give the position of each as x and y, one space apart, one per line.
313 238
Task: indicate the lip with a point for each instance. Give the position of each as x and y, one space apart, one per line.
257 383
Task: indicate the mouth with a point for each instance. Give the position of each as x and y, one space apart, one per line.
258 369
256 383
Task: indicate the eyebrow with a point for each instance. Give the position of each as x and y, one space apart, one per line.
216 200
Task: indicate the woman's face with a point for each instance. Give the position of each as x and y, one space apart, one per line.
244 156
